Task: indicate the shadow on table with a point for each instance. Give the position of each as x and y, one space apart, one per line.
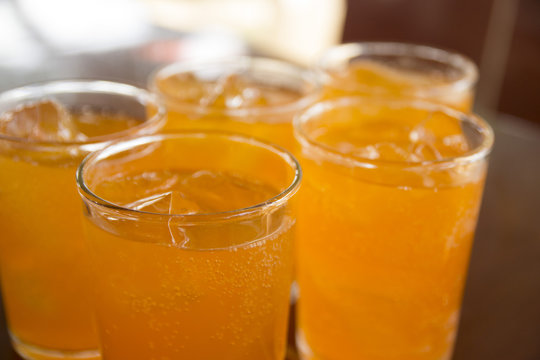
501 309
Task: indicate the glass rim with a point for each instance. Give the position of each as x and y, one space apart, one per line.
479 152
118 146
95 86
307 75
351 50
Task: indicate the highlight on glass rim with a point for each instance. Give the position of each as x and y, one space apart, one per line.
270 180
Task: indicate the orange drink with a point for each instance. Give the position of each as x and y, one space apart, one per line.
385 224
253 96
191 236
45 131
399 70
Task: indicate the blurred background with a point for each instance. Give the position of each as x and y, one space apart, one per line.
125 40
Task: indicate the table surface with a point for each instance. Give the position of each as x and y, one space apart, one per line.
501 309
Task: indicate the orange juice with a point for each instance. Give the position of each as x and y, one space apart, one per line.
399 71
194 259
45 278
252 96
385 226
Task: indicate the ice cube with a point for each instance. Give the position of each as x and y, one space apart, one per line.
203 186
425 152
236 91
437 125
152 182
422 133
242 96
385 151
158 203
215 92
92 121
216 191
456 142
171 202
134 189
251 94
388 151
392 152
367 152
438 136
47 120
178 233
182 86
180 204
183 192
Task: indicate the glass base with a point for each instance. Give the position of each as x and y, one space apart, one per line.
33 352
304 351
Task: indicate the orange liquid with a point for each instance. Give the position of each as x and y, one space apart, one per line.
368 78
195 103
214 291
45 276
382 273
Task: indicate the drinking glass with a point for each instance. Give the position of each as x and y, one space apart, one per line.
45 131
191 241
399 70
386 220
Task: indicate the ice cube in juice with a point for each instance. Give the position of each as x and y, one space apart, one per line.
257 98
371 78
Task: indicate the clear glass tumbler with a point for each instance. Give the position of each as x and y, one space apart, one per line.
386 221
192 242
45 132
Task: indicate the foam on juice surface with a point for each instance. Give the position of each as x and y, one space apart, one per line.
177 191
49 120
229 91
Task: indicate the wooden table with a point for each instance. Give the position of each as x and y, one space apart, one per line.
501 309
